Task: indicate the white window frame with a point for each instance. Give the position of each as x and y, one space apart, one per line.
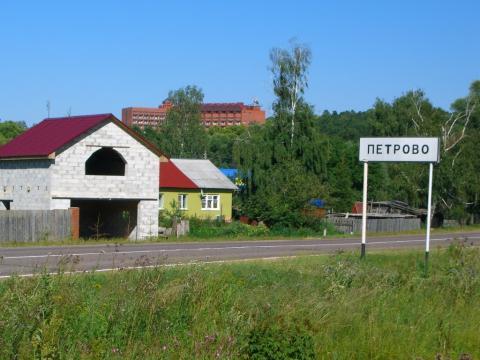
161 200
182 201
210 198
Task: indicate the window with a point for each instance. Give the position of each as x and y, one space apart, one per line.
160 201
182 201
210 202
105 161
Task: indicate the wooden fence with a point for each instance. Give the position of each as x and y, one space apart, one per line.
38 225
354 224
178 229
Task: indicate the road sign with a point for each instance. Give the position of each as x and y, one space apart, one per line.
401 149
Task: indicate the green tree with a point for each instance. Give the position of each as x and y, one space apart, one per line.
280 201
342 163
289 68
221 142
412 114
285 159
460 165
347 125
10 130
183 135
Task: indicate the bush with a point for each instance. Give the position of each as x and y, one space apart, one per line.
166 217
277 343
217 229
211 229
309 226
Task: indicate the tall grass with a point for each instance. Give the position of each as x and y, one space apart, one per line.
333 307
211 229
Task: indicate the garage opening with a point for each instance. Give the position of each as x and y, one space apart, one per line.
105 161
106 218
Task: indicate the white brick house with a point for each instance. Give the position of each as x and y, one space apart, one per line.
92 162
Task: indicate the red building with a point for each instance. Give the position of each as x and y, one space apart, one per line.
143 116
212 114
229 114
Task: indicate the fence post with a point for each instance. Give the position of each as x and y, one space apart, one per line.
75 222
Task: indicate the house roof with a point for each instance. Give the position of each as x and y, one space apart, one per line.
43 139
228 107
204 174
172 177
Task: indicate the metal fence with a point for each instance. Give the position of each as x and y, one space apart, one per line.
354 224
35 225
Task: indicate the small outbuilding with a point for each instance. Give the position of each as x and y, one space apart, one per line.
92 162
197 188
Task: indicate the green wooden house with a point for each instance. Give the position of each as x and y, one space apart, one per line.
196 187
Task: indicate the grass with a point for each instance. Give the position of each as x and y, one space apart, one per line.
235 232
332 307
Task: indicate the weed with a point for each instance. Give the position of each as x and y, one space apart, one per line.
325 307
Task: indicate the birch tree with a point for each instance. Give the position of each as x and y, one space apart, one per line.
289 69
453 128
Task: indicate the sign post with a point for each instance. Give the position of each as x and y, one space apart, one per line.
400 149
364 208
429 215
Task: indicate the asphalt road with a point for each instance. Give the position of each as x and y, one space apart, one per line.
32 260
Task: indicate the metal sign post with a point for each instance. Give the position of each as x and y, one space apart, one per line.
429 215
402 149
364 208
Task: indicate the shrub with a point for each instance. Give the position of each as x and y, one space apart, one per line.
212 228
277 343
166 217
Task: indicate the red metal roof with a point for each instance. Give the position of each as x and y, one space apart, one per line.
172 177
52 134
49 135
227 107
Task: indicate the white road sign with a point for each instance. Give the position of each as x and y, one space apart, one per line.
400 149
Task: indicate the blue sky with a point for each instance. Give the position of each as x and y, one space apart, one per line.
100 56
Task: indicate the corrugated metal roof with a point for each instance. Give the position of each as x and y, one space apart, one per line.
52 134
49 135
204 174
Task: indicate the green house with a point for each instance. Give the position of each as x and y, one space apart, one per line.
196 187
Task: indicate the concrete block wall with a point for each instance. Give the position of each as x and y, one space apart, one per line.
60 204
140 181
51 184
147 219
27 183
142 170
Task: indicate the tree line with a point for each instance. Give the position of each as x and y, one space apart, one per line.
298 155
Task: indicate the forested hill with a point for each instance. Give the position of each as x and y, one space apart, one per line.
347 125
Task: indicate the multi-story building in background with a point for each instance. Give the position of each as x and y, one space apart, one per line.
212 114
143 116
229 114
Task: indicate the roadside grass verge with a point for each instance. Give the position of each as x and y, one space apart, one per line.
335 307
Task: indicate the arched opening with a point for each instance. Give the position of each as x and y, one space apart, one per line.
105 161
